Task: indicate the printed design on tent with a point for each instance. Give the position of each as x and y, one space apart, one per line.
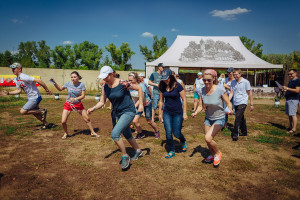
210 50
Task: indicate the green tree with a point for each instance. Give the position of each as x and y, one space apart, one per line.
120 56
88 54
27 54
64 57
249 44
159 47
43 54
7 58
1 59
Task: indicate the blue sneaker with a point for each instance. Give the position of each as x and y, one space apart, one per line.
125 162
184 147
137 154
171 154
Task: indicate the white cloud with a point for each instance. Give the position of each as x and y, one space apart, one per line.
115 36
229 14
14 52
298 34
174 30
17 21
67 42
147 34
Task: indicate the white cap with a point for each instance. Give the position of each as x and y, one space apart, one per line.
105 71
142 74
199 73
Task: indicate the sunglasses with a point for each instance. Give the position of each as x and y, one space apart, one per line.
207 80
290 74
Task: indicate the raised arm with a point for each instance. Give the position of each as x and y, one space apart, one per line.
58 87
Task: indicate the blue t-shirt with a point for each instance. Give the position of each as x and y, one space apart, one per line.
292 95
173 104
74 90
120 99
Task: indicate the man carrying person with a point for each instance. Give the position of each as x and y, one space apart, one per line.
292 99
240 91
27 83
198 85
154 81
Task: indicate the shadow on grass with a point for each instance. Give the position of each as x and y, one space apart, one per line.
277 125
178 146
297 146
129 150
83 132
202 150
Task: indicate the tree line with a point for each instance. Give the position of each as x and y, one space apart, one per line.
89 56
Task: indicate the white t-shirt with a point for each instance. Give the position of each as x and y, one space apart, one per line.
240 94
26 83
199 84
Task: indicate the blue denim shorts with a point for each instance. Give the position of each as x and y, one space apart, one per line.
155 100
147 111
32 104
208 122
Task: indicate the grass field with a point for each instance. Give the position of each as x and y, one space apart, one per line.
38 164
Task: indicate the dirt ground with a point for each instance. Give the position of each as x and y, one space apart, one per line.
38 164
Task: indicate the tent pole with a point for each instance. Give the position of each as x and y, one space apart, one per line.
247 73
254 77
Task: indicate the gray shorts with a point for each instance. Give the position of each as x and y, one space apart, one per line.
291 107
32 104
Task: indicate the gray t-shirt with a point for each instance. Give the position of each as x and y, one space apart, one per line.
214 103
74 90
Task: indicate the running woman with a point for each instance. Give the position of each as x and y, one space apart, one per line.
174 110
213 96
27 83
76 92
123 107
133 78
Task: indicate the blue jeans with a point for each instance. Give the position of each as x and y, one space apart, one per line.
173 123
122 126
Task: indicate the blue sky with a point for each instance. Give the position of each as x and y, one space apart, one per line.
275 24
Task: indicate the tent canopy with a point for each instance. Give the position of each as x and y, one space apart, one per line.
210 52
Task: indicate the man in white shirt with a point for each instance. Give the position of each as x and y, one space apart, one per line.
240 91
27 83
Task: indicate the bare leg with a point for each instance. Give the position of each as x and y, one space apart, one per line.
210 133
137 124
294 122
64 119
195 104
37 113
87 120
133 143
153 114
121 146
152 124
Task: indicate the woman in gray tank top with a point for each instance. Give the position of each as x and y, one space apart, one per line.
212 102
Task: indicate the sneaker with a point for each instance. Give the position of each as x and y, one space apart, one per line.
184 147
208 160
140 136
137 154
217 160
125 162
157 135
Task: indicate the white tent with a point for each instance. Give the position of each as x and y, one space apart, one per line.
209 52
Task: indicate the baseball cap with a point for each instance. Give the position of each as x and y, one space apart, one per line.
105 71
230 69
166 74
160 65
142 74
199 73
14 65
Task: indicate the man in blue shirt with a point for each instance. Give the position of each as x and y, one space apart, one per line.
292 99
241 91
154 81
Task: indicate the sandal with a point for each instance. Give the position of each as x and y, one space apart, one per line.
95 135
184 147
46 127
44 114
291 132
170 155
65 136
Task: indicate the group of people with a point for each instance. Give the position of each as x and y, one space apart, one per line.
163 91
